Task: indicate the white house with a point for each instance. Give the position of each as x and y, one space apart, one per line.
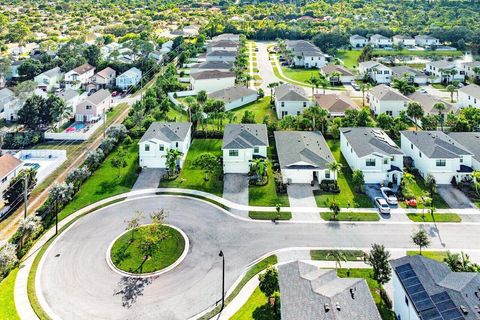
9 168
357 41
71 99
94 107
403 40
105 78
129 78
290 100
8 101
241 144
234 97
427 289
49 79
211 65
379 41
337 74
223 45
384 99
79 77
412 75
304 156
443 71
469 96
211 81
335 104
159 138
435 153
470 68
375 71
306 54
426 41
373 152
221 55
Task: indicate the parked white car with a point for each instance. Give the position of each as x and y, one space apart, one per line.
389 195
382 205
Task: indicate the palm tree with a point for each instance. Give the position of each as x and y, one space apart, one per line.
452 88
440 107
315 112
358 179
324 84
335 208
171 159
415 111
337 256
335 167
259 167
335 77
314 82
403 86
271 86
364 87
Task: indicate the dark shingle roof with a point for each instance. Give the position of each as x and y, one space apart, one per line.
365 141
400 71
302 147
222 53
435 144
220 65
308 292
212 74
232 94
469 140
167 131
244 136
449 292
290 92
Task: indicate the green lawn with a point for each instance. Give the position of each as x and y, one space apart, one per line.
351 216
417 53
267 195
418 189
194 178
260 108
434 255
127 255
349 58
300 74
256 307
261 215
437 217
106 181
347 190
7 302
374 287
323 255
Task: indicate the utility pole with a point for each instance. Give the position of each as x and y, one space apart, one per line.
25 192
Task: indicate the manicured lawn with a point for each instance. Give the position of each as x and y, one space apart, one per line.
300 74
435 255
7 302
256 307
349 58
417 53
260 108
267 195
106 181
127 255
261 215
323 255
374 287
351 216
347 193
418 189
193 178
437 217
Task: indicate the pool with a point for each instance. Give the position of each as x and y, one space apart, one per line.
76 126
34 166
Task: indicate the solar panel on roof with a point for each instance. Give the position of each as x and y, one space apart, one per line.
431 314
407 274
411 282
453 314
404 267
415 289
439 297
445 305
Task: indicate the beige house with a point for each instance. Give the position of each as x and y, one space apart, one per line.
94 107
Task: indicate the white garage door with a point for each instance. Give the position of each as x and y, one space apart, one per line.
298 176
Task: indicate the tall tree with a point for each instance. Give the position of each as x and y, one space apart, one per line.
378 259
415 111
420 238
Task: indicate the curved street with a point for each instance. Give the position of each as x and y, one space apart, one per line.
84 287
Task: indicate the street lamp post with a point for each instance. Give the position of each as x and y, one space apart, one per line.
223 278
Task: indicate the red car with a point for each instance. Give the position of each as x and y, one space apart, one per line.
114 93
411 202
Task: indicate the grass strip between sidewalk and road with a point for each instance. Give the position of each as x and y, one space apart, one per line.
7 300
434 255
324 255
436 217
350 216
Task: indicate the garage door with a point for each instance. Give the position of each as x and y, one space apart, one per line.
298 176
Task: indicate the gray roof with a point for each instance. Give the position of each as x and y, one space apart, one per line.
304 47
371 64
445 292
224 43
55 72
69 94
443 64
425 36
378 36
336 68
219 65
427 101
167 131
212 74
222 53
469 140
385 93
335 102
402 70
435 144
472 64
132 72
297 149
290 92
232 94
308 292
357 37
471 90
99 96
244 136
365 141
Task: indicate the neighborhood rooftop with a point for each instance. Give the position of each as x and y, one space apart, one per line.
402 70
290 92
308 292
244 136
365 141
427 101
435 144
8 163
385 93
212 74
435 291
213 65
222 53
167 131
84 68
336 68
300 149
335 103
471 90
469 140
99 96
231 94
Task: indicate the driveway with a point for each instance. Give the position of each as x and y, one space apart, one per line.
301 195
148 178
235 189
454 197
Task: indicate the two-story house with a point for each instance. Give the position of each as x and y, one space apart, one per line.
403 40
379 41
376 71
306 54
304 156
222 55
241 144
435 153
412 75
472 69
94 107
443 71
471 142
357 41
373 152
223 45
49 80
337 74
212 80
129 78
426 41
469 96
290 100
211 66
79 77
9 168
384 99
159 138
105 78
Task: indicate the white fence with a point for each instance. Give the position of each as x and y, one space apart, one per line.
45 160
180 94
82 136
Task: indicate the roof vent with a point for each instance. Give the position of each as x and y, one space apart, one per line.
326 306
337 305
464 309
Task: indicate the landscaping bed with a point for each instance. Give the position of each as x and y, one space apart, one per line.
350 255
351 216
418 189
436 217
262 215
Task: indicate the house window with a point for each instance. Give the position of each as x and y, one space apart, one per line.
161 147
461 160
176 144
147 147
256 150
327 174
304 104
406 300
4 179
389 113
283 104
411 146
370 162
233 153
385 161
441 163
419 154
89 107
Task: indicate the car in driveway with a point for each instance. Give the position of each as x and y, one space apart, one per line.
389 195
382 205
355 86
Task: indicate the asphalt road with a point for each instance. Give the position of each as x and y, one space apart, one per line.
77 283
